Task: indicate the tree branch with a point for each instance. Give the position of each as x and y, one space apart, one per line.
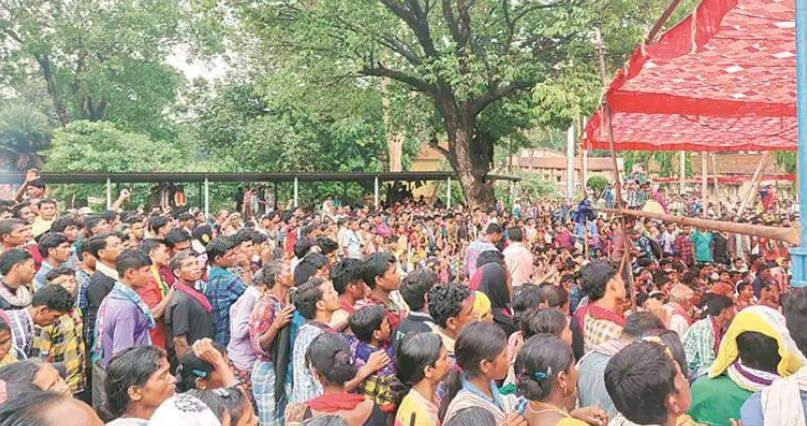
493 95
417 21
416 83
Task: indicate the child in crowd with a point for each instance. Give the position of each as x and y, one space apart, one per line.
372 330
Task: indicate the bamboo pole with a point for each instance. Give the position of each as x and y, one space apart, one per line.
754 182
788 235
617 178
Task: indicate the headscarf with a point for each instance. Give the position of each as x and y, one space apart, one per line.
766 321
482 305
494 286
186 410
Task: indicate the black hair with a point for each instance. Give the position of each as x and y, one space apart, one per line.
344 273
376 265
330 355
742 285
192 367
30 408
717 303
595 277
639 323
324 420
526 298
12 257
672 342
302 247
307 296
758 351
23 372
689 278
640 396
218 247
326 245
17 208
556 296
97 243
445 301
547 320
184 216
132 367
415 287
538 364
515 234
62 223
493 228
794 309
54 297
478 341
415 353
243 235
176 236
231 401
150 244
177 259
156 223
489 256
109 215
267 276
365 321
91 222
7 226
58 272
308 267
472 416
131 259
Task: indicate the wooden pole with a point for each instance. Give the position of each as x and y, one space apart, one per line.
788 235
617 178
704 180
754 182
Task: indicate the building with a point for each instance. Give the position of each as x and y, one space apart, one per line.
550 166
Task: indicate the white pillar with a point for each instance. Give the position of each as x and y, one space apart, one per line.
108 193
296 192
585 167
570 163
448 193
207 198
376 192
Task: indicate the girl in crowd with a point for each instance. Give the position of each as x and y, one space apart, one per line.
547 320
329 357
481 351
496 285
547 378
5 344
138 380
422 364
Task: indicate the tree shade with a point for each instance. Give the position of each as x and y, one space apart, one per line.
722 79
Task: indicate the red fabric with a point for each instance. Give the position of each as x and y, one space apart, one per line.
167 275
597 312
728 179
152 295
680 311
723 79
335 402
199 297
347 307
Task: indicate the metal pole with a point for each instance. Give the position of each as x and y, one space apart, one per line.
704 179
682 172
448 193
376 192
585 169
714 176
207 199
570 163
296 192
108 193
799 254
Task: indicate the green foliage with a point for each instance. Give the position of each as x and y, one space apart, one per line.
533 187
24 132
597 183
786 160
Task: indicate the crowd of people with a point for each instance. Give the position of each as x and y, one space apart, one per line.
541 314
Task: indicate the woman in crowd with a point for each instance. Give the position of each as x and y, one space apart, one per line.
481 351
547 378
496 285
329 357
138 380
422 364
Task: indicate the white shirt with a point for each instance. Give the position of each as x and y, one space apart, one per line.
519 262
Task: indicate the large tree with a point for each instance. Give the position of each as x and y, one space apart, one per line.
463 56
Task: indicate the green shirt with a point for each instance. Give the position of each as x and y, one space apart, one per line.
703 246
715 401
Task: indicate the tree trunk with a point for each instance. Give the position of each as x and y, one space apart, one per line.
470 157
50 84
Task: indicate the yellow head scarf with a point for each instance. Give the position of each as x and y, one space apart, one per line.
482 306
767 321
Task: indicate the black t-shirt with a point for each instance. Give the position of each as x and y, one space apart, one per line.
415 322
100 285
184 316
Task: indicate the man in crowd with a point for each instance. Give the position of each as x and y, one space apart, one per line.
223 287
17 270
601 320
56 250
493 235
702 340
518 258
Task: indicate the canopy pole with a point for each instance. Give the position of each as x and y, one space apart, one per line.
207 198
615 165
704 179
376 192
714 176
682 171
448 193
570 163
799 254
108 193
296 192
757 177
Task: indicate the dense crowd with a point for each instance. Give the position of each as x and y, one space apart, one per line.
413 314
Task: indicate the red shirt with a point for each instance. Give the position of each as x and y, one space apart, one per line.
152 295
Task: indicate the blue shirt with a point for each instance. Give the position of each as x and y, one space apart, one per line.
751 412
222 290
